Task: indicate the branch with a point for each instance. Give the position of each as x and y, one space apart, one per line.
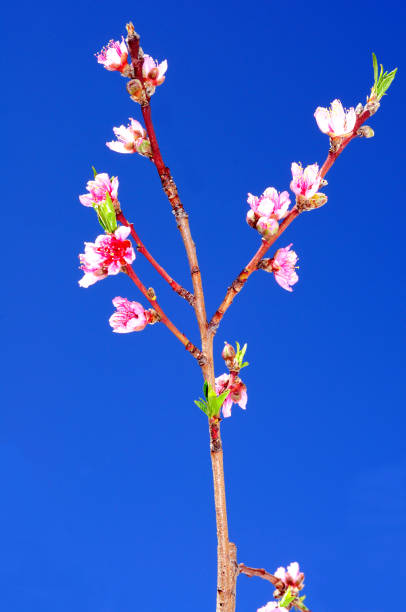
150 296
242 278
236 286
261 573
143 249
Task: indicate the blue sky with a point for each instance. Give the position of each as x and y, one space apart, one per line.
104 465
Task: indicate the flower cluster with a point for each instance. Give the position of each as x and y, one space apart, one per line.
129 316
131 139
98 188
292 579
238 392
335 121
106 256
114 56
267 210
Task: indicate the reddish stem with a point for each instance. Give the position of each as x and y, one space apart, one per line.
242 278
164 319
143 249
261 573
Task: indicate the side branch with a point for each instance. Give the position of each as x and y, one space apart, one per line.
189 297
261 573
150 296
242 278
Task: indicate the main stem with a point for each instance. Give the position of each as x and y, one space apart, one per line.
226 556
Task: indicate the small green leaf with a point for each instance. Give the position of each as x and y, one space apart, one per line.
375 65
94 171
287 598
206 389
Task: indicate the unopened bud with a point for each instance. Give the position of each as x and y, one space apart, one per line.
135 90
267 227
251 219
228 351
365 131
151 293
359 109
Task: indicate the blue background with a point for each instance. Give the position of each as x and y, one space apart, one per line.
105 471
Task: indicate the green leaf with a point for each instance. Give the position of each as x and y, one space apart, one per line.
382 81
202 405
212 404
375 65
287 598
94 171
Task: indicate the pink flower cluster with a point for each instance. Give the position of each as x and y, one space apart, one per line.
114 56
283 267
106 256
152 72
291 577
129 316
238 392
98 188
267 210
131 139
335 121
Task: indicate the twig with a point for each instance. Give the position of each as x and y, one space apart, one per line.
191 348
143 249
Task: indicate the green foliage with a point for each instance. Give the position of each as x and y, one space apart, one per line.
239 355
287 598
212 403
382 80
106 215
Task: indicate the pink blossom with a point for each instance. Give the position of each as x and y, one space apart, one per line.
106 256
153 72
283 266
130 139
98 188
270 203
271 606
238 392
114 56
335 121
129 317
292 576
305 182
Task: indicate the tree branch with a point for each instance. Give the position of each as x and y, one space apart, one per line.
242 278
143 249
150 296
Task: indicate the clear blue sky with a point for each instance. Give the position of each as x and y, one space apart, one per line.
104 468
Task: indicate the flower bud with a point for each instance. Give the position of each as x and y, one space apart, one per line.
359 109
135 90
251 219
267 227
228 351
365 131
